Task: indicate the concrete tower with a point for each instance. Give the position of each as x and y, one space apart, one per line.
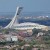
10 25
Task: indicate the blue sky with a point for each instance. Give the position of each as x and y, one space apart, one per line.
29 5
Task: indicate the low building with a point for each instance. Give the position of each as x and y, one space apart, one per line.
11 38
14 38
2 38
40 34
20 38
8 38
30 32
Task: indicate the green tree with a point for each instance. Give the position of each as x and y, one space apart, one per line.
21 43
39 49
29 48
35 31
33 42
5 31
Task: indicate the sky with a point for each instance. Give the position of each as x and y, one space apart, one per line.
28 5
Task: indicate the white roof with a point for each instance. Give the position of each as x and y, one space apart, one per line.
27 23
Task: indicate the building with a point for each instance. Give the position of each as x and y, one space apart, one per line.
40 34
14 38
11 38
14 24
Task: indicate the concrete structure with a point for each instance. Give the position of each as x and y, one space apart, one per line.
40 34
11 38
23 26
14 38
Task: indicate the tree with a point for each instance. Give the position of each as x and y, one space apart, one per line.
33 42
39 49
35 31
21 43
28 48
5 31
